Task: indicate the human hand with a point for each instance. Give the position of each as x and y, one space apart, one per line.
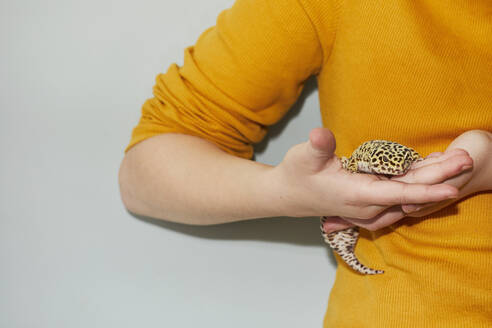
466 164
313 183
478 144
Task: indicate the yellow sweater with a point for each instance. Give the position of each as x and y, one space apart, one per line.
412 71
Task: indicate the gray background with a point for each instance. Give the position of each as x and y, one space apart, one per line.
73 77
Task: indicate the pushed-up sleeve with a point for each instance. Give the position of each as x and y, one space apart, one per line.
241 76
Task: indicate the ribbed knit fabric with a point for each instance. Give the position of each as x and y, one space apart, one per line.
411 71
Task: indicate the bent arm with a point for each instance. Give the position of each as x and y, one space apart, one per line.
241 76
187 179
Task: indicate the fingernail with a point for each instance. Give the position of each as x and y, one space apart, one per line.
466 167
330 227
451 194
413 208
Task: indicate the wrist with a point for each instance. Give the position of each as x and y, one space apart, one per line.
286 194
265 192
275 193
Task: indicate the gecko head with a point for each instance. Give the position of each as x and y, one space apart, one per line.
394 160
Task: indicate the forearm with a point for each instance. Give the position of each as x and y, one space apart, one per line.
189 180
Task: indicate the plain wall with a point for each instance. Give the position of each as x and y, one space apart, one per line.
73 77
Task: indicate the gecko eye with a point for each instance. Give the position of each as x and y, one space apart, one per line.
407 162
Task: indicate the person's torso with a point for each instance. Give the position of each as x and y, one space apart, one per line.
418 73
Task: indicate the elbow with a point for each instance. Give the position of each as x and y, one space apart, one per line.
133 193
127 193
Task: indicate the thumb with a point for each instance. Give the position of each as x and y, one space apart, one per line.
334 223
320 147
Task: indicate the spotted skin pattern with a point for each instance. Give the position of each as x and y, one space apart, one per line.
373 157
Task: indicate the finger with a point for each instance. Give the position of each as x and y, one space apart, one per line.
322 142
434 155
411 208
384 219
379 192
320 147
334 223
444 156
439 171
427 209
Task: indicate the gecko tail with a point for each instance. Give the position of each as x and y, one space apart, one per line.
343 243
354 263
